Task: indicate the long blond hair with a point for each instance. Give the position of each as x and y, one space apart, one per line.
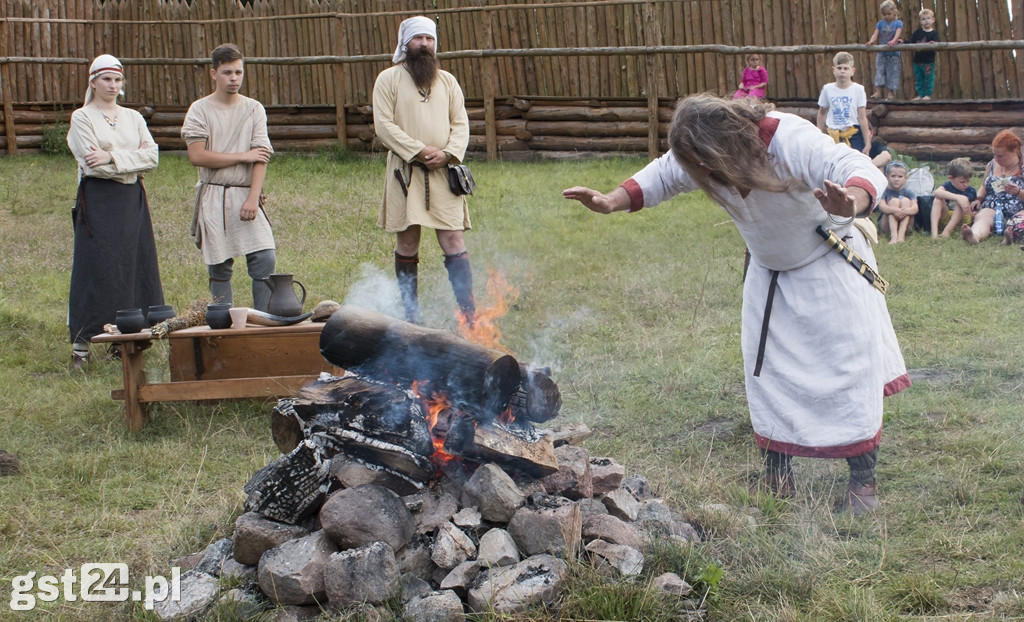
721 135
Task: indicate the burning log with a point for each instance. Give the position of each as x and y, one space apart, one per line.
520 448
373 422
291 487
538 399
477 379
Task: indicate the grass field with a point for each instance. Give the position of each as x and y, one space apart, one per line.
638 315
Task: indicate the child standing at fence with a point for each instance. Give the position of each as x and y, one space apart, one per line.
924 61
842 106
755 79
888 31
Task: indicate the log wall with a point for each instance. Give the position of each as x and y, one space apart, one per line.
529 129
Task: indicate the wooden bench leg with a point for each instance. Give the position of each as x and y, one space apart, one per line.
132 362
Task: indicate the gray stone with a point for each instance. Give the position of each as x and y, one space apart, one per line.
443 606
656 519
611 529
626 560
548 525
414 587
467 518
620 503
509 589
606 474
254 535
460 577
638 486
197 592
358 516
497 548
573 479
368 574
736 517
214 556
530 487
591 506
241 604
351 473
493 493
415 559
430 509
231 569
671 583
451 547
292 573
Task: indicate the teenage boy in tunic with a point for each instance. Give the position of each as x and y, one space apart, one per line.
226 134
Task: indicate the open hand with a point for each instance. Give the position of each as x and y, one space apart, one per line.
836 200
592 199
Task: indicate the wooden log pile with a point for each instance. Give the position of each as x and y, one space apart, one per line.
528 129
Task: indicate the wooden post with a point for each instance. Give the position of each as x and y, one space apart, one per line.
340 76
134 377
489 67
652 83
7 93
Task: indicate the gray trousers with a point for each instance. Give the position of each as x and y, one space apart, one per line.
260 264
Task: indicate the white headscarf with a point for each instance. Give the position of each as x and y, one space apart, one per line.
104 63
410 28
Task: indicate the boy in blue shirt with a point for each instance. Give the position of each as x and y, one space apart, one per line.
953 199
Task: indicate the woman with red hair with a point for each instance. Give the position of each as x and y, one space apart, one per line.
1001 191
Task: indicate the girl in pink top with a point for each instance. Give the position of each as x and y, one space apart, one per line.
755 79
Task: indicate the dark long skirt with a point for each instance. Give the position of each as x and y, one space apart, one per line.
115 265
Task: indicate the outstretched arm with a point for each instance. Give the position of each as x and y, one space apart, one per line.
615 201
843 202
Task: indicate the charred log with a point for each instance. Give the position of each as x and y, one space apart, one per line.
538 398
478 379
520 449
292 487
376 423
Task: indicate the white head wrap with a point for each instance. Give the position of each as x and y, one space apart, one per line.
410 28
104 63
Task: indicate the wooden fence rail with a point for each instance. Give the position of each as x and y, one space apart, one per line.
317 53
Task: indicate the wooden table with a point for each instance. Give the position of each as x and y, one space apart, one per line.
208 364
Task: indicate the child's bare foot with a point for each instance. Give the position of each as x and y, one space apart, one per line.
968 235
1007 239
927 97
944 236
876 94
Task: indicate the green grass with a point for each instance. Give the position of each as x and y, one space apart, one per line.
639 317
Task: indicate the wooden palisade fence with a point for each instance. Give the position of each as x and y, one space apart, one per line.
540 76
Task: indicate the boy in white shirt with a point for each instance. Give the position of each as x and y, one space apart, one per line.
842 106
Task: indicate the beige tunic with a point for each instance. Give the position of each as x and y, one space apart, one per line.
405 124
130 145
220 192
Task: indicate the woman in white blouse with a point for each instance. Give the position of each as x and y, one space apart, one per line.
115 262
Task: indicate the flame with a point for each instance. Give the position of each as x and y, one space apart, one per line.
435 404
482 328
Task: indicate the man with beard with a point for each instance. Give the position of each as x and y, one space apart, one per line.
420 115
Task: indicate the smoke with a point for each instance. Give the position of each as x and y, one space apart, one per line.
376 290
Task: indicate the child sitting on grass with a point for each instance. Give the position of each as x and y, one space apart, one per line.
898 205
953 199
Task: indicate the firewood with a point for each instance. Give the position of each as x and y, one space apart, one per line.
292 487
478 379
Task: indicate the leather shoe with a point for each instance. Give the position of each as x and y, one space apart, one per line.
861 498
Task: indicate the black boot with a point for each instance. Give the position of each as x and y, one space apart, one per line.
862 496
778 474
460 275
407 271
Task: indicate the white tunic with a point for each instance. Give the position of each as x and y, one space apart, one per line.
220 192
131 146
831 352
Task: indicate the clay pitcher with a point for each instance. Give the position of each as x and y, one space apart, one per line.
283 300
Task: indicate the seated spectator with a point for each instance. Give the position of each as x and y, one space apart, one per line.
952 205
897 205
1001 192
